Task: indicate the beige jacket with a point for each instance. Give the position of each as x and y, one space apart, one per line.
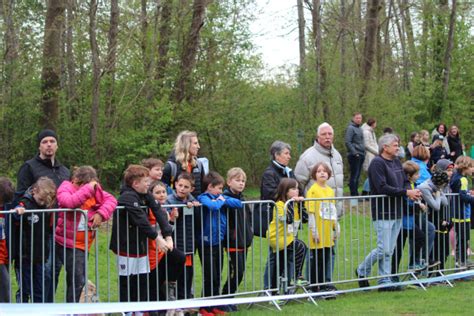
371 146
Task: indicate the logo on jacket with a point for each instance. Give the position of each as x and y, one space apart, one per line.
33 219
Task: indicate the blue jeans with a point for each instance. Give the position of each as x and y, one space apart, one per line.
387 233
31 274
355 164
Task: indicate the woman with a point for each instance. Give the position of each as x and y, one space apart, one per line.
440 129
414 141
453 143
370 142
278 169
184 159
425 138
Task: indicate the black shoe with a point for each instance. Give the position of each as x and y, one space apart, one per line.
393 288
362 283
328 288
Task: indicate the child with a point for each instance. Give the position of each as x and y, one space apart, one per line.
209 238
461 208
410 227
296 249
433 194
240 233
82 192
322 225
6 196
165 265
184 229
156 171
130 231
32 241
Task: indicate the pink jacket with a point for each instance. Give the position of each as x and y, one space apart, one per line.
71 196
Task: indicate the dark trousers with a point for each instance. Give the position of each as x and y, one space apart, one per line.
75 262
296 252
168 270
417 240
134 288
30 274
320 263
463 234
4 284
355 164
211 262
236 261
185 281
441 243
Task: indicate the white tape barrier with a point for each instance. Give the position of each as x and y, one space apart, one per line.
105 308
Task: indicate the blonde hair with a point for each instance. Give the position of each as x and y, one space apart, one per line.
463 163
46 186
236 172
181 148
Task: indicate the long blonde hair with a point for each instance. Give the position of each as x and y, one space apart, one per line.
181 148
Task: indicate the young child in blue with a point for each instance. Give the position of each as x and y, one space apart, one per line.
210 238
461 208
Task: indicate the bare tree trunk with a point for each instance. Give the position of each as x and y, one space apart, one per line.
50 83
109 71
320 67
163 47
344 22
70 61
406 18
387 49
95 75
188 58
447 55
302 51
401 34
373 8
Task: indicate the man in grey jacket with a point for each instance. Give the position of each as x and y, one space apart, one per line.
354 140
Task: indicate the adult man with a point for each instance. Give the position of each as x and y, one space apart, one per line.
354 140
44 164
386 177
321 151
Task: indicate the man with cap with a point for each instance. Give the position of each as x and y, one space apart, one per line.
437 150
44 164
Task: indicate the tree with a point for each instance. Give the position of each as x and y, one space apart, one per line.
50 83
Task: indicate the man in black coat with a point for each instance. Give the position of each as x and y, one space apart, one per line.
44 164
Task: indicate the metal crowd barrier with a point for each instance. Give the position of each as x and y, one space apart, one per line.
240 271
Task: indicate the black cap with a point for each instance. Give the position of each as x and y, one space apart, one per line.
46 133
438 137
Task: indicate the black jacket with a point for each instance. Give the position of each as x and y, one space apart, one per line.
35 168
30 232
169 178
184 227
131 227
270 180
239 224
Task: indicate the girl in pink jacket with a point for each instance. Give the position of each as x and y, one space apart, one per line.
85 193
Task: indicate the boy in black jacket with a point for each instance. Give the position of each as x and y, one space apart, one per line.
30 241
239 231
130 231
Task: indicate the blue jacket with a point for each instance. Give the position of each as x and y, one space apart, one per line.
214 219
461 205
424 171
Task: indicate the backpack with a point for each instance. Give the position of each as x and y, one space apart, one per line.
202 164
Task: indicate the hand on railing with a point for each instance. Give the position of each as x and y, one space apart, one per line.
414 194
20 210
161 243
174 214
97 220
316 237
169 243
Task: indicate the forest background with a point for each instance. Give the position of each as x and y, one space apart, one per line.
118 80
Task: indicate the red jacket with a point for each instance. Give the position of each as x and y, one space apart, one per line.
71 196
